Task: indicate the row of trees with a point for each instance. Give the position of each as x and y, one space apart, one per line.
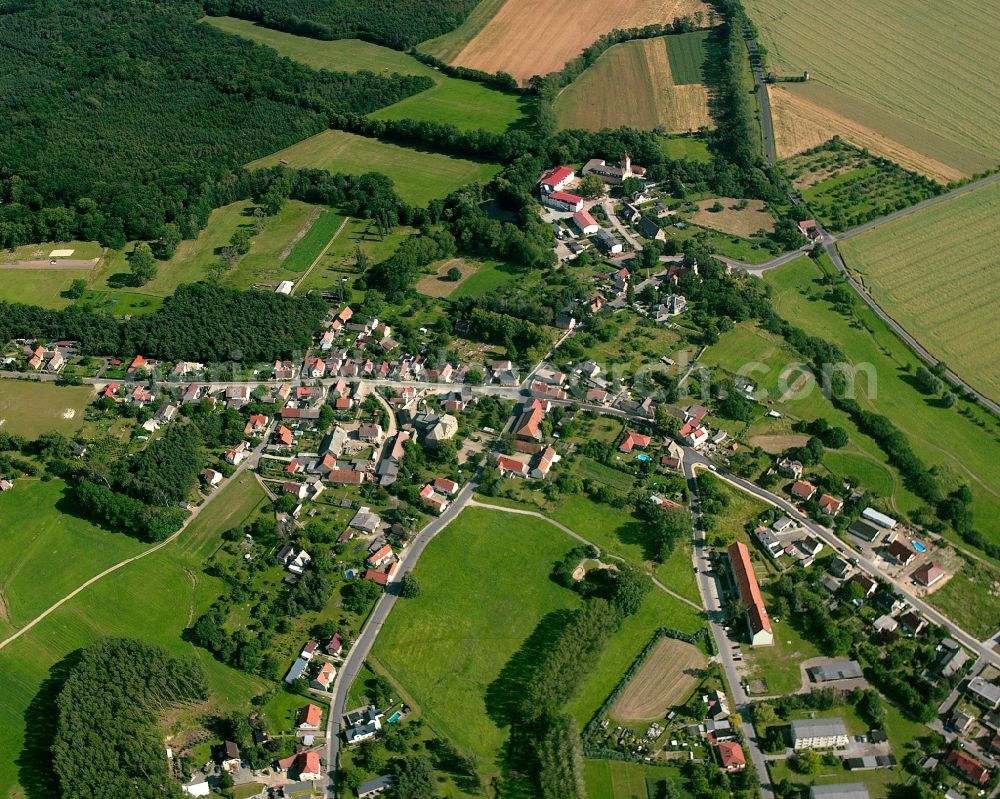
107 742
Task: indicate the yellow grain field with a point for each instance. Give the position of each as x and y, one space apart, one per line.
924 67
631 84
526 37
665 679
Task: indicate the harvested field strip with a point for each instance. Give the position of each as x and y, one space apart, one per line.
687 53
312 243
937 69
665 679
547 35
631 84
955 319
448 45
801 123
732 219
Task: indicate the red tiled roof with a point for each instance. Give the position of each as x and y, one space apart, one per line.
928 573
381 578
803 489
583 219
634 440
746 581
968 765
555 175
309 763
566 197
731 754
310 715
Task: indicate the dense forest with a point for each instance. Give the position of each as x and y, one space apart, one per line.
396 23
118 117
106 742
200 322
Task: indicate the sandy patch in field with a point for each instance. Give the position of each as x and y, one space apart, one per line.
777 444
743 222
437 285
801 124
527 37
664 680
69 413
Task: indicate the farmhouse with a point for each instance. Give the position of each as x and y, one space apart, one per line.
757 619
810 229
606 241
555 179
731 756
238 454
648 229
510 467
308 717
614 174
866 583
803 489
819 734
563 201
928 574
585 223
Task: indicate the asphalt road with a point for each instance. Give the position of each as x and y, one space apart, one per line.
710 595
767 128
359 650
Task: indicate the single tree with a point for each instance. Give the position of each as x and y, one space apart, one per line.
142 263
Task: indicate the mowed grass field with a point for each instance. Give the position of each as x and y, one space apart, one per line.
154 599
30 409
955 318
634 84
665 679
961 449
486 586
466 104
309 247
614 779
935 71
547 35
419 176
46 552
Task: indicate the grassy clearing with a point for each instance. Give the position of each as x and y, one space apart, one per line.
614 779
737 217
154 598
965 446
778 665
688 53
263 264
930 73
971 599
677 572
490 276
550 34
42 287
486 586
679 147
466 104
30 409
82 251
38 532
308 248
419 176
632 84
955 319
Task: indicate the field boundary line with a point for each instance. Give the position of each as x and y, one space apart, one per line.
301 234
312 266
121 564
522 512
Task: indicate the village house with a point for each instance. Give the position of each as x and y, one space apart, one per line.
967 767
511 467
831 505
211 478
543 463
810 229
900 552
731 756
672 305
634 440
803 489
928 574
985 693
608 242
649 229
256 424
238 454
335 646
324 677
308 717
362 724
380 557
867 584
229 757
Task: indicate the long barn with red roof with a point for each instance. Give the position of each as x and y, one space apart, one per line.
757 620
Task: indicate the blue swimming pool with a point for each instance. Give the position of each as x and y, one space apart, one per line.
393 718
643 457
919 547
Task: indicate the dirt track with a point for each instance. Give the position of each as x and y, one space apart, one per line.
60 263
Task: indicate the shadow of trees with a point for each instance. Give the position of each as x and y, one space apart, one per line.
34 764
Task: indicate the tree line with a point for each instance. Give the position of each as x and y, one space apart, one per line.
107 742
199 322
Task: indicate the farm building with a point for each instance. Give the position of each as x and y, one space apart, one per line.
838 671
555 179
648 229
845 790
865 530
586 223
563 201
757 620
810 229
879 518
